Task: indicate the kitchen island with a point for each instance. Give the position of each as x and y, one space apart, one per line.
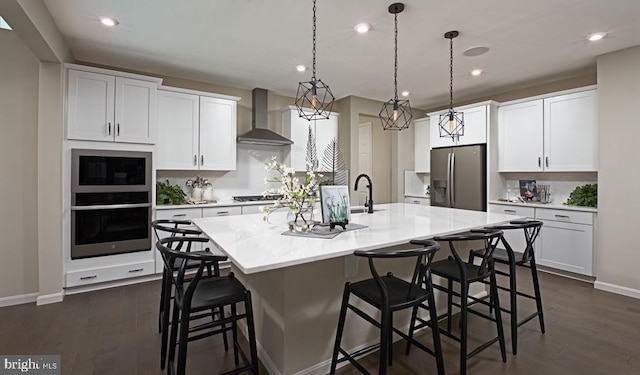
297 282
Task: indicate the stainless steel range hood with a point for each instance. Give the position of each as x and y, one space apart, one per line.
259 133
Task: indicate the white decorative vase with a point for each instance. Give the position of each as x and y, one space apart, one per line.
207 193
196 194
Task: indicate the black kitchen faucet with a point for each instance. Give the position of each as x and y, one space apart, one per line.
370 187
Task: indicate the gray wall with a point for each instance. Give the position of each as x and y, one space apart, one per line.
18 167
618 255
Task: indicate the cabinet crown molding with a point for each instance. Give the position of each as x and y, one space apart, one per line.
156 80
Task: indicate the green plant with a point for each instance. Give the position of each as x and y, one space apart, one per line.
169 194
585 195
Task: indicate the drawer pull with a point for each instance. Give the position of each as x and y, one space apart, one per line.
563 217
222 213
510 212
89 277
416 202
136 270
179 215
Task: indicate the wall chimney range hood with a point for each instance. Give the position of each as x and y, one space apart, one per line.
259 133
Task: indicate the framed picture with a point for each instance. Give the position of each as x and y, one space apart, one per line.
334 203
528 189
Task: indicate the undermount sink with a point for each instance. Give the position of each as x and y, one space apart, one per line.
360 210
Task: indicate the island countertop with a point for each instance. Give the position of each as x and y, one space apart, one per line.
254 245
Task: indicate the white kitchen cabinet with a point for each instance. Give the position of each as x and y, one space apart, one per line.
566 240
475 128
108 107
112 273
514 237
422 146
521 137
196 132
557 133
296 129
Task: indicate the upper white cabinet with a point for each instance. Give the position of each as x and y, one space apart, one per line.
422 146
558 133
475 128
296 129
108 107
195 132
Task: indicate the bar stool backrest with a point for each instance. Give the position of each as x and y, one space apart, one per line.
531 230
490 239
173 228
177 260
424 257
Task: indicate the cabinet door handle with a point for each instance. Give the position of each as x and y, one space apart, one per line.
89 277
510 212
546 161
195 160
539 162
201 159
109 128
118 130
222 213
136 270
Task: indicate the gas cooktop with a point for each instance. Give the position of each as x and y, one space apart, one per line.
251 198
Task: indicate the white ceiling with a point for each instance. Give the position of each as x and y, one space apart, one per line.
257 43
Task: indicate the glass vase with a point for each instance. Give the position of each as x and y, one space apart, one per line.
301 220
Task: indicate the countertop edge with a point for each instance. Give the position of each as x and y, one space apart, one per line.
547 206
208 205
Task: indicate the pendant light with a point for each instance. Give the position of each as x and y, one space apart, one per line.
314 99
451 124
396 114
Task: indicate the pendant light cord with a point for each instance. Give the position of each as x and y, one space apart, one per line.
395 67
451 75
313 78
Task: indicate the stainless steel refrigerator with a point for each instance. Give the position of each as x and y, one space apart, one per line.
459 177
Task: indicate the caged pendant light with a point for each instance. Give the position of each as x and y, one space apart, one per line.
451 124
314 99
396 114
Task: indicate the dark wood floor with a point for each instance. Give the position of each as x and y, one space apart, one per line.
114 331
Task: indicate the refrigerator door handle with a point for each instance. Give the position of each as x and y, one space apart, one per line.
449 180
453 181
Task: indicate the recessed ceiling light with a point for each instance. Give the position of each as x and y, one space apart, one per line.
405 93
362 28
108 21
301 68
476 51
476 72
596 36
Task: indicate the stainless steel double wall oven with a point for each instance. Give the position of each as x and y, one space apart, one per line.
110 202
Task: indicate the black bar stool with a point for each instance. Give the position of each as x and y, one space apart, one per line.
454 269
205 294
173 228
390 294
513 259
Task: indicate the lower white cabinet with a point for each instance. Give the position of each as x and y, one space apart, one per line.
565 241
103 274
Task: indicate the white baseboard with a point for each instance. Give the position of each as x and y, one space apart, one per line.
50 298
613 288
18 300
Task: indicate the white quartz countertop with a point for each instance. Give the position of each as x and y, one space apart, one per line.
225 203
547 205
254 245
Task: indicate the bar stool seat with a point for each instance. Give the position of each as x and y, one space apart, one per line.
389 294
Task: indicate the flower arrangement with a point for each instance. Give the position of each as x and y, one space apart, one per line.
198 182
299 197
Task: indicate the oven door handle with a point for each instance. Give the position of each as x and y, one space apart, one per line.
109 206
